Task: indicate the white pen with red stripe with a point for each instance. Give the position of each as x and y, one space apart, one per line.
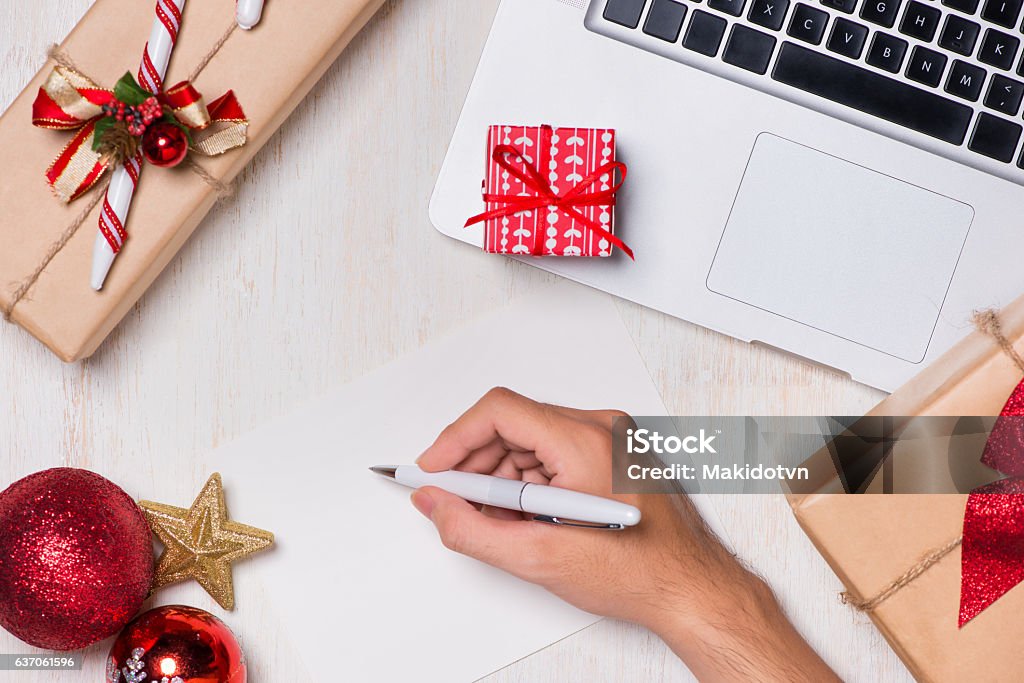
155 58
114 214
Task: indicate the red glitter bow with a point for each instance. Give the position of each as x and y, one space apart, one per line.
569 201
992 557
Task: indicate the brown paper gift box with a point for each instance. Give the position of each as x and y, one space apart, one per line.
871 540
270 68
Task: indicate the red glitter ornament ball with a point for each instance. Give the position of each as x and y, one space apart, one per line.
164 144
176 644
76 559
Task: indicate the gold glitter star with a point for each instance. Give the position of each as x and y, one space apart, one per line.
200 542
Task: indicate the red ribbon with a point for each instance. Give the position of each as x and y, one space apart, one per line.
992 556
69 101
183 95
569 202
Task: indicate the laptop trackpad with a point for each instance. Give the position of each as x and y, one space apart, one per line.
840 248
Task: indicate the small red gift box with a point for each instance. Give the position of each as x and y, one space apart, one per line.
551 191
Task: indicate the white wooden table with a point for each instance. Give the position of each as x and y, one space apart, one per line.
251 319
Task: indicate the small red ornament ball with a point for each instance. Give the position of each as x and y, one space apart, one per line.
76 559
164 145
176 644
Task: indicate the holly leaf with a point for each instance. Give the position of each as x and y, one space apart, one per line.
102 126
127 90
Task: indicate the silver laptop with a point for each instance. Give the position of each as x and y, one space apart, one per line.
840 179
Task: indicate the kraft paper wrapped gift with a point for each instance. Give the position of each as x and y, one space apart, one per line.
870 541
270 68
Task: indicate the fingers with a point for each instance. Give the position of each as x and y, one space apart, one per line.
507 469
484 460
502 513
495 459
585 464
503 543
600 418
511 436
535 475
501 413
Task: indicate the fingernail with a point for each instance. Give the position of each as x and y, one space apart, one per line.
423 502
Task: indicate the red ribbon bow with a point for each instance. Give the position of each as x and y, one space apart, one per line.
69 101
568 202
992 557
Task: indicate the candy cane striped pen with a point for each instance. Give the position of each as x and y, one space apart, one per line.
248 13
114 214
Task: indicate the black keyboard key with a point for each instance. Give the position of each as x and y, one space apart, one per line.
748 49
920 21
994 137
926 66
1004 95
841 5
1002 12
704 34
872 93
959 35
998 49
965 80
624 12
887 52
768 13
847 38
733 7
665 19
882 12
808 23
965 6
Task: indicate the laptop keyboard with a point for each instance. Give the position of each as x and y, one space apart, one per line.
949 70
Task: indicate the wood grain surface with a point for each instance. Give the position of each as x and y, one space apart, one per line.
325 266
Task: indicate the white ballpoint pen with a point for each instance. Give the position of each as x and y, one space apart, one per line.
547 503
248 13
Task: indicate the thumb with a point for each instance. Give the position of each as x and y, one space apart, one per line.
465 530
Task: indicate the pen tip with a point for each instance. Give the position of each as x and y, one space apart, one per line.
384 471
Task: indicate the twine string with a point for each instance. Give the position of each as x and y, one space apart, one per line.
65 236
223 189
62 58
208 57
987 322
923 565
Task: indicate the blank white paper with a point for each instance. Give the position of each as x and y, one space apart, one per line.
400 604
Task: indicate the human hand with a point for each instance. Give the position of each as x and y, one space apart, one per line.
625 574
669 573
